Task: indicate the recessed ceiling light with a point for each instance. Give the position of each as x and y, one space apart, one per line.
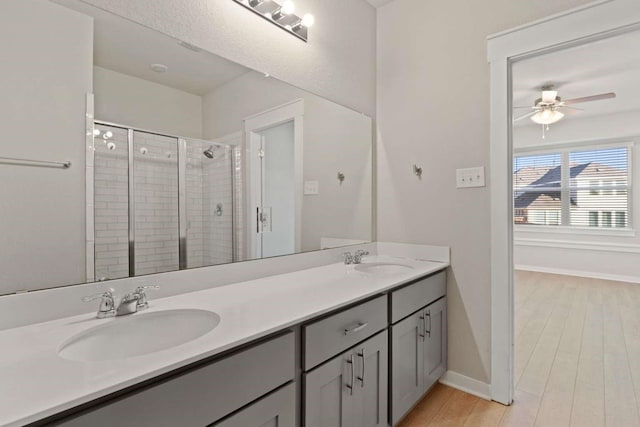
159 68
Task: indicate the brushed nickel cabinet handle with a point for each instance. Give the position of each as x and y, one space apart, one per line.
360 326
428 330
424 328
350 386
361 378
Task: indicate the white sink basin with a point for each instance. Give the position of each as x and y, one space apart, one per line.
138 334
383 268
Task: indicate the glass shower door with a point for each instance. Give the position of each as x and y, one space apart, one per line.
154 231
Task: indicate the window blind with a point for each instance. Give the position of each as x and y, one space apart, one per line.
578 188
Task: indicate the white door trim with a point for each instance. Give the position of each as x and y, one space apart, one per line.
293 110
590 22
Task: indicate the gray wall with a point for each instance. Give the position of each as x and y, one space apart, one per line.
433 110
42 233
127 100
338 62
335 139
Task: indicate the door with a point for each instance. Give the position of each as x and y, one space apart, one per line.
370 401
275 196
329 393
407 359
275 410
435 345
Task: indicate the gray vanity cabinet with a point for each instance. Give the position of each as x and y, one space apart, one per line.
435 344
206 393
407 358
418 341
350 389
278 409
418 356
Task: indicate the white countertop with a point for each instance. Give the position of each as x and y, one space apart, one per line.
35 382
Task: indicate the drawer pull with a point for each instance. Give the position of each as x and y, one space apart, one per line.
424 328
427 331
361 378
360 326
350 386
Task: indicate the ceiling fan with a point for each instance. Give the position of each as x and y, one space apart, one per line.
549 107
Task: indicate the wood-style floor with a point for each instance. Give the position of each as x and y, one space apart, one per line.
577 360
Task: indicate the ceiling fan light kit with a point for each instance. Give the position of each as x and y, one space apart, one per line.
547 116
546 109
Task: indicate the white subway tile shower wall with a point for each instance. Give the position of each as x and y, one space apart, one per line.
195 204
218 185
111 205
156 203
209 182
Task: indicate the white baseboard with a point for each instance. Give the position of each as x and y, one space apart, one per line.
466 384
590 274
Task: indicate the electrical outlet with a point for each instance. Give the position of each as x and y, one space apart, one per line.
470 177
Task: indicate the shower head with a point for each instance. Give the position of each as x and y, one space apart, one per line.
209 152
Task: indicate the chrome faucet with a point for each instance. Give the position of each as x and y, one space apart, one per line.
129 304
350 258
141 291
107 303
357 258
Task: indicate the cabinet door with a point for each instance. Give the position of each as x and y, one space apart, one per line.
274 410
407 360
329 393
371 390
435 346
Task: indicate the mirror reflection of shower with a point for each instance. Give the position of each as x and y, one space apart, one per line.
210 152
160 202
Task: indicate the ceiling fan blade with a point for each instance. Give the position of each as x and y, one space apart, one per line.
524 116
590 98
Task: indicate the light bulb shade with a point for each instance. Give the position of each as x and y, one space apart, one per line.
547 116
288 7
307 20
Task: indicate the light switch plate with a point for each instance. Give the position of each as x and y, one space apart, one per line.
470 177
311 188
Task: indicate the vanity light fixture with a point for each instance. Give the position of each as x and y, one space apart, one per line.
281 15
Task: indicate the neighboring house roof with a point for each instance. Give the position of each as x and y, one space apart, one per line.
547 178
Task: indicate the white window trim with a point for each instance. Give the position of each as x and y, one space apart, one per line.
583 231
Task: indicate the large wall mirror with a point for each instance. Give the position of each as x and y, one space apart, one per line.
125 152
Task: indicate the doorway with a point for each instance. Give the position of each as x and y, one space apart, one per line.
273 159
590 23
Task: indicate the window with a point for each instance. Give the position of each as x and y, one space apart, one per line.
580 187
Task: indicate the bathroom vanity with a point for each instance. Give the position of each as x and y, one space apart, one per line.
331 345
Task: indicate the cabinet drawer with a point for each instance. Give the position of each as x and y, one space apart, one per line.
278 409
203 395
334 334
413 297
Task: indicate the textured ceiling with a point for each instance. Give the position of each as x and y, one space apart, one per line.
129 48
609 65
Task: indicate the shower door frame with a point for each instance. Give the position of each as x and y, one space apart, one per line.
181 142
